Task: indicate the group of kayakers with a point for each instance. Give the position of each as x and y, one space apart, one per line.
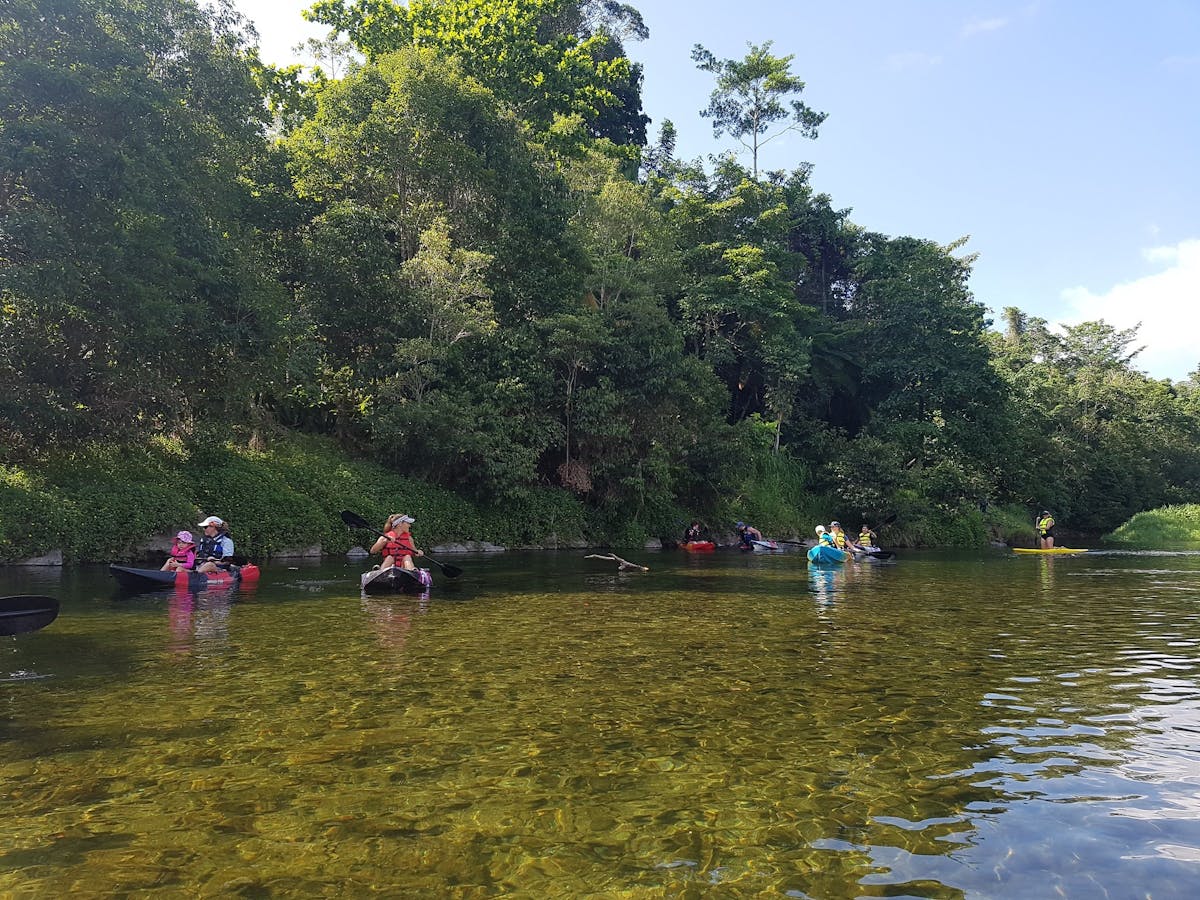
835 536
212 553
748 536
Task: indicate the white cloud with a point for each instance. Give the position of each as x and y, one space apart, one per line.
899 62
1167 303
980 26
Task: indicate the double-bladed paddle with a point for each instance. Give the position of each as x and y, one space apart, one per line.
21 615
356 521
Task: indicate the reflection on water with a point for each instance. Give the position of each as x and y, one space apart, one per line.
739 724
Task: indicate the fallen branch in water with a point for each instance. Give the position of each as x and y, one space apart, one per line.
623 565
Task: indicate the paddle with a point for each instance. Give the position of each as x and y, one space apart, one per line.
21 615
356 521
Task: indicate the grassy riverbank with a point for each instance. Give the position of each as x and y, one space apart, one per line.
1166 526
100 503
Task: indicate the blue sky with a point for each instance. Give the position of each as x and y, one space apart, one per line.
1063 136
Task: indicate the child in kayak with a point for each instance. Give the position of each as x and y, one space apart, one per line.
396 544
183 553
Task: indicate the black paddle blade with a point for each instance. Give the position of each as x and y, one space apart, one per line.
356 521
451 571
21 615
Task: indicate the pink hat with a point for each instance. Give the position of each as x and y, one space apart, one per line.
184 537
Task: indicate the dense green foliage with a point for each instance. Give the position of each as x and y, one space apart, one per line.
98 503
452 252
1170 526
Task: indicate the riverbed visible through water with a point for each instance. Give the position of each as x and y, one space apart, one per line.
726 725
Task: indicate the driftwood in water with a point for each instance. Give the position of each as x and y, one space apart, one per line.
623 565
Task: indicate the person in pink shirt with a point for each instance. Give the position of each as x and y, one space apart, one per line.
183 553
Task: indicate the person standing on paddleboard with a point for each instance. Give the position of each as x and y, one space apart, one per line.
1045 530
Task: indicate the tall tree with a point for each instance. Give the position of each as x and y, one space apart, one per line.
559 63
754 94
134 289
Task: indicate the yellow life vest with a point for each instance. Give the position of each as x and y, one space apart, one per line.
1045 524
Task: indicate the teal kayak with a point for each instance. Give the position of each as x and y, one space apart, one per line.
823 553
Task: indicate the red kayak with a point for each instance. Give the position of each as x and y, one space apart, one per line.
699 546
149 579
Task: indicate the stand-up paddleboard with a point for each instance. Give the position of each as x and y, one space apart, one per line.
1051 550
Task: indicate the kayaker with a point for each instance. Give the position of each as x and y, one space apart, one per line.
823 536
866 537
183 553
840 540
1045 530
747 535
215 553
396 544
695 532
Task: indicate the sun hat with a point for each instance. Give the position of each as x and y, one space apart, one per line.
212 520
185 537
399 517
820 529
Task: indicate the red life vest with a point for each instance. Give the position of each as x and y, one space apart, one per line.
399 545
182 553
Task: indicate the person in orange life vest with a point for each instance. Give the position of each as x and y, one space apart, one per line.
396 544
183 553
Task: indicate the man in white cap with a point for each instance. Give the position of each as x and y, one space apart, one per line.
216 547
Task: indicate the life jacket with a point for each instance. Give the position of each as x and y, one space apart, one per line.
181 552
399 545
1045 524
839 540
216 547
864 538
826 538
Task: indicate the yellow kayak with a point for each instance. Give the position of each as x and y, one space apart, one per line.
1054 550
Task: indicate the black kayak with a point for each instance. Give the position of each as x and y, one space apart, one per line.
155 579
396 580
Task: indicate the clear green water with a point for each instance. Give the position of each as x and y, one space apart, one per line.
725 726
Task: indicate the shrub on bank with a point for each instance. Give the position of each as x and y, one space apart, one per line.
1165 526
101 503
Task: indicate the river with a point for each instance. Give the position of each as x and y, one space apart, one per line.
726 725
